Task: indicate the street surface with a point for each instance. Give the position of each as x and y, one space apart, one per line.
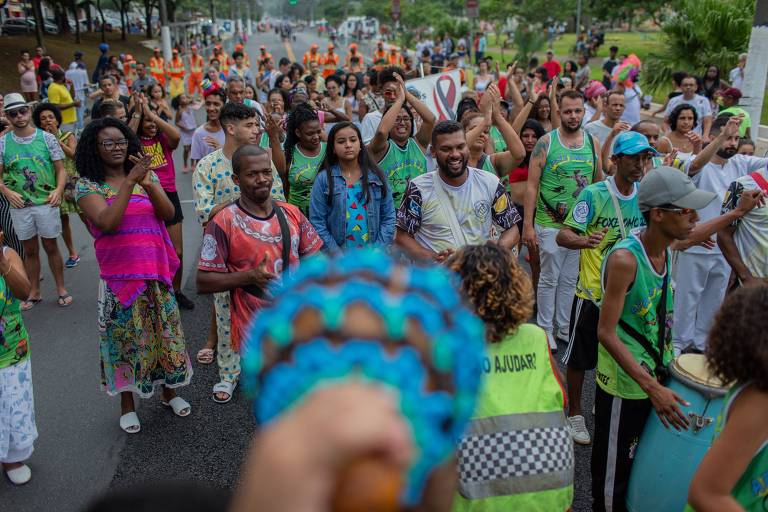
81 451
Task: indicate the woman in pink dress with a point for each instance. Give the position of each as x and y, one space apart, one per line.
26 68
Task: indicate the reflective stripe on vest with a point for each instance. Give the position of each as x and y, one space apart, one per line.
195 64
515 454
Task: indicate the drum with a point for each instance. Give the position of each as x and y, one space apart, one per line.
666 459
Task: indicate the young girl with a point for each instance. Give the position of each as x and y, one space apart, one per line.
304 153
517 357
157 102
185 121
400 155
351 205
732 475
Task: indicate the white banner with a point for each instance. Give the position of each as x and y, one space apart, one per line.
441 92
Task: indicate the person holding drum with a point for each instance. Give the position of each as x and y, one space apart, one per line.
732 475
635 341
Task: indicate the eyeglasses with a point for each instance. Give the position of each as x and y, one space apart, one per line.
403 120
679 211
16 113
110 144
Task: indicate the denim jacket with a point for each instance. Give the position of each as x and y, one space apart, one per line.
330 221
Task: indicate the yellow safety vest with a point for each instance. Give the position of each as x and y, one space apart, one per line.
517 453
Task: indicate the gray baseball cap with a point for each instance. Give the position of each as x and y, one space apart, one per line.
668 186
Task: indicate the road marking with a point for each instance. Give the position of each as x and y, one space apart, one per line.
289 50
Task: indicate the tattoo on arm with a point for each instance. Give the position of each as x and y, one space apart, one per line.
540 149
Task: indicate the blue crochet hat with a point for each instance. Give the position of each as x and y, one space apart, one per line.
428 346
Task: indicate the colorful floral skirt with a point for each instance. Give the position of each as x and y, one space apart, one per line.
17 412
142 345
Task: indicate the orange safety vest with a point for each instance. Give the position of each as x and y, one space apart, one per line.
379 55
223 63
265 55
395 59
311 57
129 70
157 69
196 63
330 63
176 68
348 59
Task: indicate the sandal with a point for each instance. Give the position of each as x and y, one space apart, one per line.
205 356
129 422
20 475
180 406
225 387
29 304
64 300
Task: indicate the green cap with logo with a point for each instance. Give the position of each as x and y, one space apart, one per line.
667 186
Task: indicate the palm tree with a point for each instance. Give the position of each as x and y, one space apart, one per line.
700 33
37 10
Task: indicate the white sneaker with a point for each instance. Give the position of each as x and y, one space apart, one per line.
20 475
579 430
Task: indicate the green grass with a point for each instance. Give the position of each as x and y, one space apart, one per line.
641 44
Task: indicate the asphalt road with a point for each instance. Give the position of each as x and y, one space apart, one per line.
81 451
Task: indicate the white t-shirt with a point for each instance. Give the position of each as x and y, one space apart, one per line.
370 124
479 202
717 178
589 111
200 148
599 129
632 97
699 103
737 77
751 236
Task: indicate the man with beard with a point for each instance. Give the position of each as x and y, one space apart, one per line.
454 206
635 343
614 108
246 241
603 215
236 94
697 101
702 273
562 164
33 180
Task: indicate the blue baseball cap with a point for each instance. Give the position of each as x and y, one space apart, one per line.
632 143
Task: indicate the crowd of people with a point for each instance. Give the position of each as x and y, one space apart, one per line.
633 232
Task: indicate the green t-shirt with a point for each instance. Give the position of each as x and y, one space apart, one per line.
640 313
498 141
28 167
566 173
401 165
593 212
301 176
486 164
14 340
745 123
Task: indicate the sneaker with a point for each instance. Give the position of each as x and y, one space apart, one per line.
72 262
578 429
552 342
184 302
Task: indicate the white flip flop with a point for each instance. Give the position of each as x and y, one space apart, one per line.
180 406
130 423
224 386
20 475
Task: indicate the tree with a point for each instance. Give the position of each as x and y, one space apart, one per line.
528 40
39 21
627 10
699 34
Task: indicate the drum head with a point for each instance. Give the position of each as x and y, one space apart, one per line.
693 367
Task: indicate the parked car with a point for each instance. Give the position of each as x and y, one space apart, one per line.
17 26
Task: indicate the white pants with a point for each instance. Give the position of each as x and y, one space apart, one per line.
701 282
557 282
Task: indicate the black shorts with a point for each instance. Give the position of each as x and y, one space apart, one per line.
178 216
521 211
581 353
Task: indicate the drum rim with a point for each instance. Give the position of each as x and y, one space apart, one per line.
705 389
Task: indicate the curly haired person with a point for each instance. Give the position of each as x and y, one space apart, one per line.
517 357
734 473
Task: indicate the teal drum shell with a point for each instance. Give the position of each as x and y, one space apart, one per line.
666 459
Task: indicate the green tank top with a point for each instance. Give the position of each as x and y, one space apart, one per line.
14 340
28 169
498 141
301 176
751 491
565 174
639 312
534 412
401 165
485 164
264 141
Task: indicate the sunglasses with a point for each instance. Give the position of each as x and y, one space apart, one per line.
16 113
679 211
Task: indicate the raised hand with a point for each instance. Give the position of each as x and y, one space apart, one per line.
141 166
